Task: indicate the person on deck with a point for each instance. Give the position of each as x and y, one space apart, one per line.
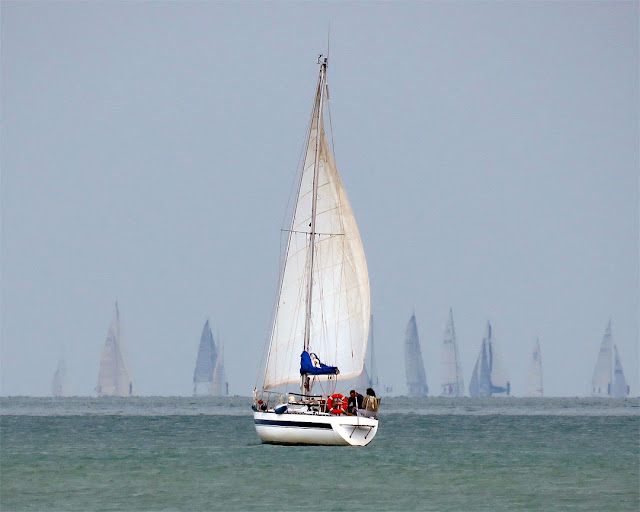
369 405
355 402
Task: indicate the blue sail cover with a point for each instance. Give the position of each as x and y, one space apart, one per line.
308 367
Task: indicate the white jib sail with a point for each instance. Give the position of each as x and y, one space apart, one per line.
340 303
480 385
219 382
206 360
499 376
413 363
534 376
452 380
620 388
113 377
601 382
59 385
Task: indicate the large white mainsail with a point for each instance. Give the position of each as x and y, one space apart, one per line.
113 377
413 363
489 376
205 362
534 375
601 381
339 308
452 380
59 385
620 387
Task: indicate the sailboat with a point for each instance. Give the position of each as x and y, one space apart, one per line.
534 376
205 363
608 381
322 311
413 364
59 385
113 377
452 380
489 377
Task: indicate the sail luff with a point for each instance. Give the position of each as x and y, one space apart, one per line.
305 382
314 206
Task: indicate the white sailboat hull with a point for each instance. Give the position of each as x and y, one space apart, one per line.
314 429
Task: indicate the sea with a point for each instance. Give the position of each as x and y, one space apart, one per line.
202 454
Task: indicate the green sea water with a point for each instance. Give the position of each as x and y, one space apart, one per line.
429 454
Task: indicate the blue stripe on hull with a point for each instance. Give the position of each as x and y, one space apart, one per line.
299 424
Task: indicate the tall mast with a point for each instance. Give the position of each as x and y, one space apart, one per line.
304 387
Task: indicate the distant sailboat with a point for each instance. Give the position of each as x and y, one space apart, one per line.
489 377
452 380
205 363
534 376
608 380
113 377
414 366
59 385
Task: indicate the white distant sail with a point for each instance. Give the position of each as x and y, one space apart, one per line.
113 377
534 376
219 384
620 387
489 376
205 363
413 363
452 380
59 385
601 381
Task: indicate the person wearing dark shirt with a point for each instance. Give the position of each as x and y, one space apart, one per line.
355 402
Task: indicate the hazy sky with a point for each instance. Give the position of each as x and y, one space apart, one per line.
489 150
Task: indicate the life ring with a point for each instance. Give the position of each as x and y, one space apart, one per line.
337 404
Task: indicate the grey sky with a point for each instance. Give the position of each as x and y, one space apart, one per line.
489 150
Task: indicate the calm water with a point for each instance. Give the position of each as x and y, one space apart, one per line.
429 454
